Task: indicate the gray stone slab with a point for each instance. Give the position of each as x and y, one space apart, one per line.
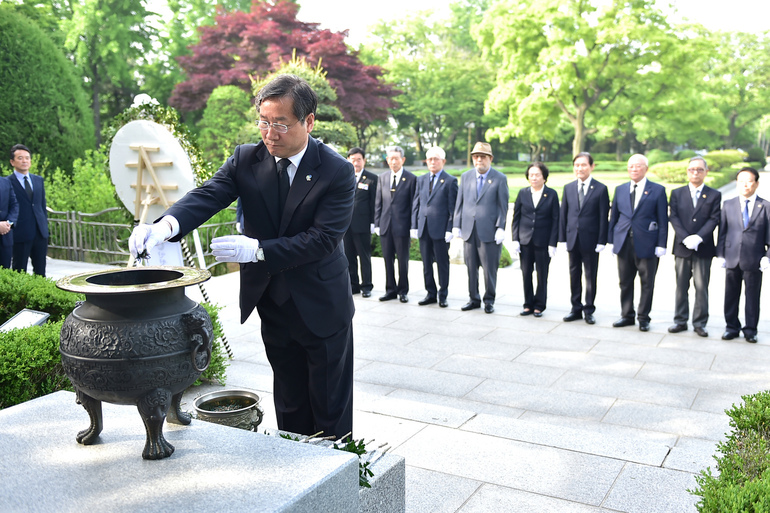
369 389
545 470
750 367
580 361
628 351
376 319
452 329
413 410
365 333
387 487
497 498
413 378
436 492
500 370
214 468
527 397
508 320
692 455
483 348
714 345
574 439
738 383
643 489
627 388
541 340
383 428
600 331
680 421
458 402
410 355
715 402
604 428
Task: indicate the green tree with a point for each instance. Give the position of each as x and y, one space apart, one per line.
42 104
228 111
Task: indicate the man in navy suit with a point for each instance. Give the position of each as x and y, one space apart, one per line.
694 212
30 232
297 204
9 213
393 220
638 229
743 248
432 213
585 208
358 238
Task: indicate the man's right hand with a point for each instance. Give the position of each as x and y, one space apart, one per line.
146 236
516 246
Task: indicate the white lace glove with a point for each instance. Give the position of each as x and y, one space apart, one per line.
551 251
377 231
659 252
371 228
499 236
516 246
599 248
235 248
146 236
721 262
764 264
457 233
692 242
413 233
448 237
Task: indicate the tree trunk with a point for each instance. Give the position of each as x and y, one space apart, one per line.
95 105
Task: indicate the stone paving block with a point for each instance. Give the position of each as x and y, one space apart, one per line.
381 319
384 429
692 455
541 340
627 388
471 347
369 389
746 366
457 402
580 361
715 402
544 470
452 329
603 428
628 351
684 422
497 498
573 439
414 378
413 410
508 321
643 489
738 383
500 370
527 397
436 492
376 350
736 348
364 333
599 331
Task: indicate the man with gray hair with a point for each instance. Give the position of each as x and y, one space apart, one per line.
694 212
432 214
392 221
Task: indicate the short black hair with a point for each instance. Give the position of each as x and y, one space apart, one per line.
305 101
584 154
356 149
751 170
542 167
16 147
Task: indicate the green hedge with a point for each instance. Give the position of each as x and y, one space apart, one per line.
21 290
725 158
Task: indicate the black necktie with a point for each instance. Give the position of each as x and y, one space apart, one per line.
581 194
633 199
393 187
28 187
283 183
430 184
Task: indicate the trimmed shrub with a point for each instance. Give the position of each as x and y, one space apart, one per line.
756 154
22 290
218 365
655 156
228 112
725 158
685 154
671 172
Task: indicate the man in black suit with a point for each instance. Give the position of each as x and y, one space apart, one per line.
535 231
393 220
358 238
9 213
297 204
30 232
583 222
638 230
743 248
432 213
694 212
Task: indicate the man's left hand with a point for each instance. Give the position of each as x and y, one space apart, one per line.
659 252
499 236
448 237
235 248
551 251
764 264
413 233
5 227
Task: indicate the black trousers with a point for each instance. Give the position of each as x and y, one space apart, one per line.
393 247
36 249
435 250
312 376
358 249
629 265
583 262
5 256
752 281
535 259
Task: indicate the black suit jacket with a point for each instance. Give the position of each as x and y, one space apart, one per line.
363 207
701 220
536 225
433 212
9 208
33 217
394 213
304 244
739 246
589 222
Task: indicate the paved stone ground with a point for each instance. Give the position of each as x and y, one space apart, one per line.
507 413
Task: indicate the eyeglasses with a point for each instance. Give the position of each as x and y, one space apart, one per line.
278 127
696 170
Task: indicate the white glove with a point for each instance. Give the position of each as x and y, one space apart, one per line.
377 231
457 233
235 248
659 252
146 236
599 248
448 237
764 264
516 246
721 262
413 233
499 236
238 227
692 241
551 251
371 228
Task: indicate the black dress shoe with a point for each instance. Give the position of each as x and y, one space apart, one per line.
470 306
525 312
387 297
644 325
623 322
366 294
403 298
537 314
677 328
729 335
752 339
442 303
701 332
574 316
489 308
590 319
427 301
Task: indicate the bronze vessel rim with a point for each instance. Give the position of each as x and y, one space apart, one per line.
80 283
